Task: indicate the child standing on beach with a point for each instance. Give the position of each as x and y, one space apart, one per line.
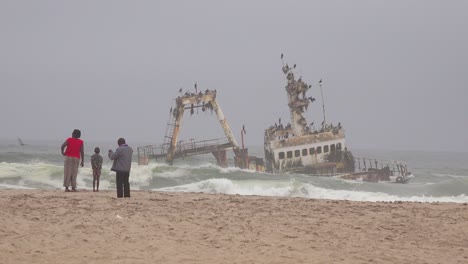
96 164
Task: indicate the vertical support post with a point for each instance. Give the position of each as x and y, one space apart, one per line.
244 159
175 134
242 137
323 102
221 158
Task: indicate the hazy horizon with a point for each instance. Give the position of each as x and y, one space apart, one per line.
394 71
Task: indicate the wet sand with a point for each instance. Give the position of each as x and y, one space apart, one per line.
159 227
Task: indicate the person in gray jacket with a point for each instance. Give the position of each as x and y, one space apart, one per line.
122 158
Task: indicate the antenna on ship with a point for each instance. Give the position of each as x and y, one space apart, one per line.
323 102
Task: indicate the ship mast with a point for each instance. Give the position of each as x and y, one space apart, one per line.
297 100
323 103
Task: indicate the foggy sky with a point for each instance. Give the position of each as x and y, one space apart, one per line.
395 72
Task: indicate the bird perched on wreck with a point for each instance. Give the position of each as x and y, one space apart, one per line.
286 68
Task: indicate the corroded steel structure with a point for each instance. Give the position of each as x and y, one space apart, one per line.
206 101
298 146
301 148
297 101
173 148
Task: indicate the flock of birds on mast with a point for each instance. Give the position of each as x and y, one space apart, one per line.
295 88
286 70
188 93
192 107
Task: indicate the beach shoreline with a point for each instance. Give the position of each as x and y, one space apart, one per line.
51 226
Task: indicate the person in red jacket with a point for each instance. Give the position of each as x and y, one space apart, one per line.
73 150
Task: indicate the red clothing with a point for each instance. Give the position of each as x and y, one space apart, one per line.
74 147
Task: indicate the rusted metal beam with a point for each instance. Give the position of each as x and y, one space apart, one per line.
189 102
225 125
175 134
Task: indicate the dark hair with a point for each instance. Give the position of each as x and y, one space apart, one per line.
76 133
97 150
121 141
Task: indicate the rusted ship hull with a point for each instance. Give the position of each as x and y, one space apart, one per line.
297 147
300 148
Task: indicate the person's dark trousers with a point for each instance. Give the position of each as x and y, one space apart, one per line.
123 186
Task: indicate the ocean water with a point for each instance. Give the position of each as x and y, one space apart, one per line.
439 176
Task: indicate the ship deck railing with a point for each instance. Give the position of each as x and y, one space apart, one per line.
397 168
184 148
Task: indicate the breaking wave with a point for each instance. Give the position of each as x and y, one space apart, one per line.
208 178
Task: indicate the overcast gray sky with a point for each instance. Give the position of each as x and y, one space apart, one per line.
395 72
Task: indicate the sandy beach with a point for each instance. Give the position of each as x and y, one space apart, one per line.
157 227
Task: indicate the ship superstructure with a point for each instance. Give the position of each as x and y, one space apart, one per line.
298 146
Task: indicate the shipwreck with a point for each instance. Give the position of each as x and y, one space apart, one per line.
174 148
295 147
